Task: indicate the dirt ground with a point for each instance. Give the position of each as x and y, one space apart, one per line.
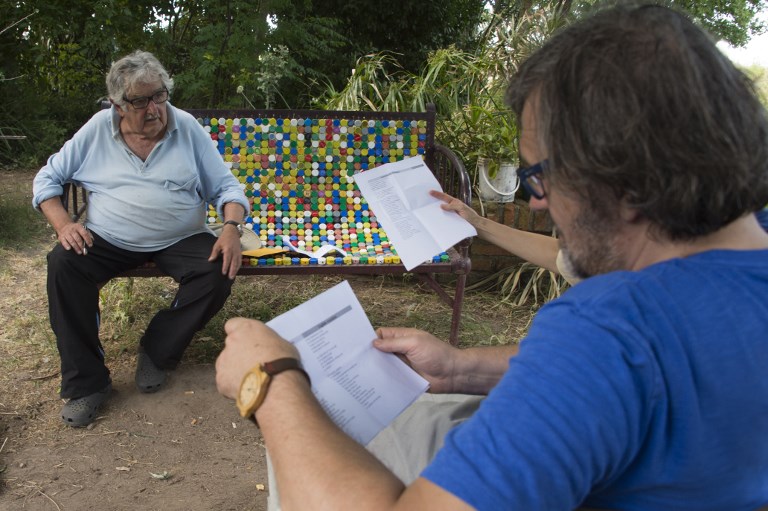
185 447
180 449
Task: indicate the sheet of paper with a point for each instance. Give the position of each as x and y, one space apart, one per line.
361 388
320 252
417 226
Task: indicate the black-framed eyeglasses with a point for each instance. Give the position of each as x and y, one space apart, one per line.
143 102
531 179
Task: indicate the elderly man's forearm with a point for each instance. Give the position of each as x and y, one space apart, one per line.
234 211
55 213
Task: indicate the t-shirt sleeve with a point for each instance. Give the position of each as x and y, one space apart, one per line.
566 418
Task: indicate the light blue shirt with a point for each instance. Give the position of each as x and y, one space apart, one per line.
138 205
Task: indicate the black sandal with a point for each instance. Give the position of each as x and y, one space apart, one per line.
81 411
149 377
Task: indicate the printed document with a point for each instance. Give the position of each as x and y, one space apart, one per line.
418 227
361 388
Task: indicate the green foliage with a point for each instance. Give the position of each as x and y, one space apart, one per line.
19 223
372 86
57 58
54 54
275 65
734 21
467 88
411 30
759 77
497 135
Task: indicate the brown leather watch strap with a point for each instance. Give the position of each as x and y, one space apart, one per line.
285 364
237 225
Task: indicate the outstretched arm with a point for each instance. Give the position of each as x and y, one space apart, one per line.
538 249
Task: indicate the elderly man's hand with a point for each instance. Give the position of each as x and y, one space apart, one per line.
74 236
248 344
228 247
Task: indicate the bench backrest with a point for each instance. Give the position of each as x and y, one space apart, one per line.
297 168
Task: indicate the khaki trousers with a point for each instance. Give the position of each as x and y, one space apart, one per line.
410 443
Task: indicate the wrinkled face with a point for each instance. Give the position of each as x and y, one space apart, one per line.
149 122
587 236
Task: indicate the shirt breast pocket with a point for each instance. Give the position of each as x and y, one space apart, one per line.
183 193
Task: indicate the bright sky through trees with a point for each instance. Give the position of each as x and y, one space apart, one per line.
754 53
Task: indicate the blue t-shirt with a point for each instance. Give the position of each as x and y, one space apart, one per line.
633 391
762 218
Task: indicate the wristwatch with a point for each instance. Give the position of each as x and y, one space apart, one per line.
237 225
253 388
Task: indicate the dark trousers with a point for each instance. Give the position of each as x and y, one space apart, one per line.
73 301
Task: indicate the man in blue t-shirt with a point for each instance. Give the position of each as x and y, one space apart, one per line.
644 386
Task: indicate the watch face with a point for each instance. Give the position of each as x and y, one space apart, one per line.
253 388
250 389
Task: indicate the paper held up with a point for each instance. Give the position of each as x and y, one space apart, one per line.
361 388
417 226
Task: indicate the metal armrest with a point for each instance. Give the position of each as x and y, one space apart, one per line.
75 200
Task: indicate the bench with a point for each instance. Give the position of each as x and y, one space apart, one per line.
297 168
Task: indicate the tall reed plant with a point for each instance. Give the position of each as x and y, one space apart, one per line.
467 88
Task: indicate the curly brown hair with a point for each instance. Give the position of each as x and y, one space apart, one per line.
636 103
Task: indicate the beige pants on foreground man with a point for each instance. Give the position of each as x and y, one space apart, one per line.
408 445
